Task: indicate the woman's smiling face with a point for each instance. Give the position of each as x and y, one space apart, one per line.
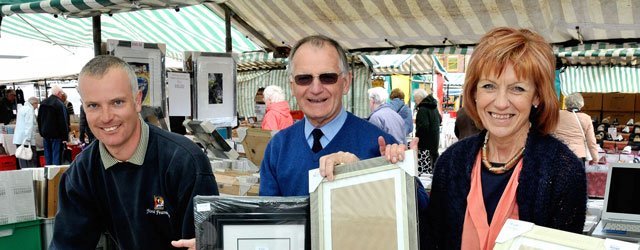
504 103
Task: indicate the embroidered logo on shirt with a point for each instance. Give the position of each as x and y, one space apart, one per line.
158 202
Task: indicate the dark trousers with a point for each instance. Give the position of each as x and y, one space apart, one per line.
33 163
52 151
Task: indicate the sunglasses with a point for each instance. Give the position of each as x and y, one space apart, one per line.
307 79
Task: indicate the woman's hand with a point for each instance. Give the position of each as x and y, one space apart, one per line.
395 152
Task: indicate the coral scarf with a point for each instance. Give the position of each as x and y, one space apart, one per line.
476 232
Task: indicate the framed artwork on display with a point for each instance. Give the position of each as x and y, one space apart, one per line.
214 94
370 199
148 62
250 223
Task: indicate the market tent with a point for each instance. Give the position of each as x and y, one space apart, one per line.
434 26
193 28
399 64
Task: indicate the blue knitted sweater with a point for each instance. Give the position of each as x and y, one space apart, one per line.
288 157
552 190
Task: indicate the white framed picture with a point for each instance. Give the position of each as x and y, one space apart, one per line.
147 60
214 96
264 237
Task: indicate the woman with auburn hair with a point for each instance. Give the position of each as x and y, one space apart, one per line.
514 168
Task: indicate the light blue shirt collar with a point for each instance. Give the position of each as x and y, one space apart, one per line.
329 130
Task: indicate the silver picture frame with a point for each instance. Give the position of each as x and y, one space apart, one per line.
370 199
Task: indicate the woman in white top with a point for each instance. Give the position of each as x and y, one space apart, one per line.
25 131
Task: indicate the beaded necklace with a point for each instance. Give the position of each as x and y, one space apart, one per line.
507 166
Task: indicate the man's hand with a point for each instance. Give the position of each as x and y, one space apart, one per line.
330 161
190 243
395 152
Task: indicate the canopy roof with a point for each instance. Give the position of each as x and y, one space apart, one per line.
397 24
193 28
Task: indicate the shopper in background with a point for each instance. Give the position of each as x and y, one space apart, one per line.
397 104
576 130
53 125
465 126
137 182
25 131
514 168
383 116
428 121
6 106
320 76
84 128
278 115
67 104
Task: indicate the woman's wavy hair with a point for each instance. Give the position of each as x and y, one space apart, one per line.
532 58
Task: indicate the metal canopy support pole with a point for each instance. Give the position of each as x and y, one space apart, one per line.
227 28
97 35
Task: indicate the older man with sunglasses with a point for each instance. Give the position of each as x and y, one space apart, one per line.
319 77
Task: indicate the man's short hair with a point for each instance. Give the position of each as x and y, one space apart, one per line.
378 95
273 93
8 92
419 94
100 65
319 41
56 90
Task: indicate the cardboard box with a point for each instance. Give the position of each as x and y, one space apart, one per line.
17 203
622 117
592 101
618 102
637 103
237 183
53 173
254 144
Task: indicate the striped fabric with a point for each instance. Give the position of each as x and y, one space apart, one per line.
193 28
600 79
86 8
249 82
392 24
623 56
403 64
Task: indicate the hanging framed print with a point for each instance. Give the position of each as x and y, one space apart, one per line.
148 62
371 199
214 92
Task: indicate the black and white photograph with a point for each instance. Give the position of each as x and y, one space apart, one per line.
215 88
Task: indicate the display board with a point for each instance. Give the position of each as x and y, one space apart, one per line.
148 62
179 94
214 93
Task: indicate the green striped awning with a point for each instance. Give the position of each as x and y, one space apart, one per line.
193 28
86 8
398 64
600 79
618 56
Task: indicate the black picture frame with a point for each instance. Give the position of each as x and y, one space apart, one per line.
248 211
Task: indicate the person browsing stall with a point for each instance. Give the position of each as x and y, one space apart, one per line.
136 181
25 131
383 116
319 77
278 115
576 130
514 168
